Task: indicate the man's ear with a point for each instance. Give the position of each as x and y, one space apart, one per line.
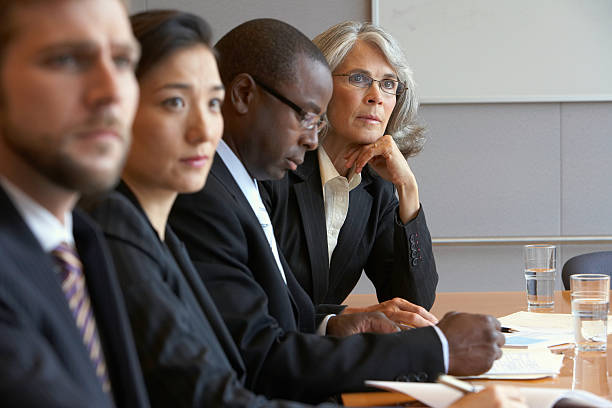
242 92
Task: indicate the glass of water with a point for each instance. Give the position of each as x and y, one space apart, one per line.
590 295
540 271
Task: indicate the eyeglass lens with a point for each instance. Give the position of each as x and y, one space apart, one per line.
390 86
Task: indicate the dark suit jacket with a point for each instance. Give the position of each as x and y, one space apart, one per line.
271 322
188 357
43 361
397 258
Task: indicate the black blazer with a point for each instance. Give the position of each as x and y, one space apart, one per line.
43 361
397 258
272 322
188 357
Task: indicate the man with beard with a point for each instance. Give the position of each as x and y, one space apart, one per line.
67 100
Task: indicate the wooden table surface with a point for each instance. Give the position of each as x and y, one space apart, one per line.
585 370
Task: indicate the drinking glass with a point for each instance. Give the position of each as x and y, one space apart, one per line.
590 294
540 270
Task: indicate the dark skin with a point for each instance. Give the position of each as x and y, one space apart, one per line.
474 342
353 323
264 132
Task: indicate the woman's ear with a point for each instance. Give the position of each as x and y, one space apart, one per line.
241 93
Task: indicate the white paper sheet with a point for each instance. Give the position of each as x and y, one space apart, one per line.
524 364
542 322
539 330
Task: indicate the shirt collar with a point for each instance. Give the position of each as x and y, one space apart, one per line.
47 229
247 184
328 170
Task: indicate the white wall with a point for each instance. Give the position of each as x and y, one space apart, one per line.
506 50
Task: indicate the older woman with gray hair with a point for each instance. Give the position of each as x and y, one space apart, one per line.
353 204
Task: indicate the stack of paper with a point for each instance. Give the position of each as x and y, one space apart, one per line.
539 329
524 365
441 396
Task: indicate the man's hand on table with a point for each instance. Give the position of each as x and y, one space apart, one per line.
474 342
400 311
353 323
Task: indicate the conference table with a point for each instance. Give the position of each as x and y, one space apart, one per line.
585 370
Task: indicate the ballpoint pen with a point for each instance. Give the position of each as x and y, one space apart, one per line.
508 330
453 382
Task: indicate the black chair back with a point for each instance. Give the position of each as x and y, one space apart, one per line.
595 262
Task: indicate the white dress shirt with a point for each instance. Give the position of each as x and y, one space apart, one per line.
336 189
47 229
249 188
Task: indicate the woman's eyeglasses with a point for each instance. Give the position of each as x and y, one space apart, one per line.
387 85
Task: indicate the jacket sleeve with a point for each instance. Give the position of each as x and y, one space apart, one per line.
401 263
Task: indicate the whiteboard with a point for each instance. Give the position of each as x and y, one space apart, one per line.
504 50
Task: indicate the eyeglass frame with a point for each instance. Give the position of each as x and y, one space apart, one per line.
303 114
372 80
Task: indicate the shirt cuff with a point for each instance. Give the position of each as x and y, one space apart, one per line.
322 329
444 346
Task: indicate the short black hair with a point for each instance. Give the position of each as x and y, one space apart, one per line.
264 48
162 32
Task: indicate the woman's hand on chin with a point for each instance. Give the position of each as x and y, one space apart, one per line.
386 159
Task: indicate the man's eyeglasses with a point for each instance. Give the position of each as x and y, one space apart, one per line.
308 120
387 85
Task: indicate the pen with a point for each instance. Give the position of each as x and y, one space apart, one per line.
508 330
453 382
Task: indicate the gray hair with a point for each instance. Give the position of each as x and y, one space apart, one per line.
337 41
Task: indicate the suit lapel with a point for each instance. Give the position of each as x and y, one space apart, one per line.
309 194
221 172
38 270
360 206
36 266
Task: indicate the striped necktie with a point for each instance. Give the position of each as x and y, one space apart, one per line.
73 285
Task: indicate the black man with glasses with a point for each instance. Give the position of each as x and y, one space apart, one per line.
338 214
267 67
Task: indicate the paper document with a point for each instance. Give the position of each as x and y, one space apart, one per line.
528 339
523 365
441 396
539 329
544 322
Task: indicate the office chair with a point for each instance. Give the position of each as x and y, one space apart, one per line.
594 262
